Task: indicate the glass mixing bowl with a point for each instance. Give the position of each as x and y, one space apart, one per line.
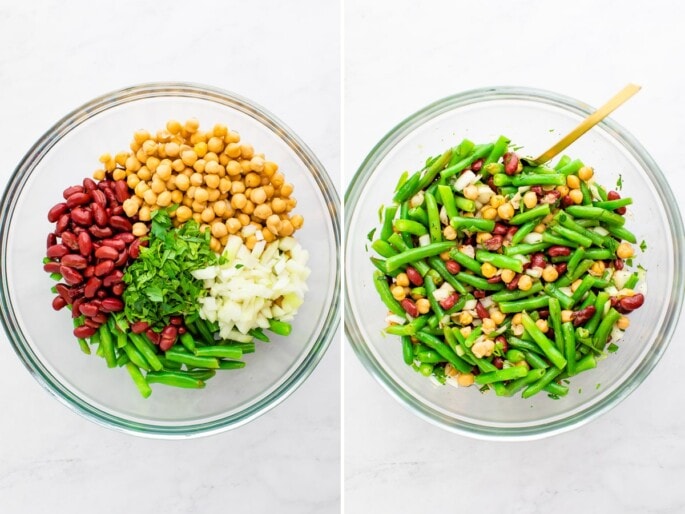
534 119
42 338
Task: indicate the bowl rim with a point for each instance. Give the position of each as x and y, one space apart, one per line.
631 145
99 105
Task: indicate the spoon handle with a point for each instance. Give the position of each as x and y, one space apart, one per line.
589 122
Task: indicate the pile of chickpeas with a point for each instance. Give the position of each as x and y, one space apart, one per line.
212 176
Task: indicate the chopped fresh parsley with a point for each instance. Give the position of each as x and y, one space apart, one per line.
643 245
619 182
159 283
612 348
369 236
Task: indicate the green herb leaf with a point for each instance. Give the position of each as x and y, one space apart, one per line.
643 245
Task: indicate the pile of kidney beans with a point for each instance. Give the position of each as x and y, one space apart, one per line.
90 247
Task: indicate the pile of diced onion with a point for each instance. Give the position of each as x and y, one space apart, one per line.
253 286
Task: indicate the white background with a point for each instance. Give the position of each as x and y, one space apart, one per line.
54 56
401 55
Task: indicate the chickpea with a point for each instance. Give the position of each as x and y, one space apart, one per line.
496 201
573 182
176 196
576 195
566 316
238 201
449 232
131 181
130 207
525 283
278 205
200 149
297 221
140 136
517 319
150 197
505 211
164 199
465 379
252 180
470 192
625 251
488 270
270 168
287 228
152 163
542 325
481 237
183 214
164 171
249 207
144 173
197 218
182 182
219 207
224 185
258 196
118 174
286 190
189 157
215 245
197 207
207 215
233 225
244 219
497 316
237 187
99 174
201 195
215 144
232 150
212 167
585 173
157 186
144 213
213 195
465 318
530 199
550 273
173 126
262 211
423 305
597 269
623 323
277 180
273 223
563 190
507 275
489 213
139 229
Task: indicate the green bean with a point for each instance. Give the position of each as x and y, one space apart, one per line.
612 205
168 365
537 302
532 376
555 317
500 261
383 289
553 239
447 197
138 380
478 282
457 307
554 291
569 346
538 386
407 190
220 351
174 379
556 389
175 354
433 170
467 262
509 296
523 231
204 330
444 350
135 357
513 355
407 350
501 375
281 328
600 337
464 204
224 364
566 221
571 167
498 150
632 281
569 278
586 284
586 363
589 300
587 196
535 360
386 228
83 344
404 214
597 213
418 214
621 233
527 346
415 254
599 254
601 192
600 303
472 224
545 344
408 329
576 257
434 225
379 264
502 179
409 226
525 249
439 266
479 152
572 235
430 357
383 248
536 179
426 369
200 374
122 359
401 181
107 345
430 292
397 241
463 149
539 211
563 161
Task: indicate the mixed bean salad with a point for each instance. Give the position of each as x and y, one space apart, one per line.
177 255
505 275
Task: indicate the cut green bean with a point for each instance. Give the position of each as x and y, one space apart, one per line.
439 266
498 150
479 152
383 248
415 254
136 357
410 227
500 261
407 350
138 380
600 303
407 190
434 225
523 231
175 354
433 170
444 350
555 317
418 214
478 282
612 205
281 328
554 291
536 361
383 289
622 233
464 260
220 351
472 224
596 213
545 344
107 346
501 375
510 296
525 248
225 364
174 379
576 257
386 228
526 304
430 292
569 339
571 168
540 211
532 376
538 386
536 179
572 235
604 329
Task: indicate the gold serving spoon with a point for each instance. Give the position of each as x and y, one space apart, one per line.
589 122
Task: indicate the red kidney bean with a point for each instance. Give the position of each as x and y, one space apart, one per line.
111 199
410 307
77 199
100 232
82 216
550 197
84 331
62 224
502 341
99 198
104 268
121 223
100 318
537 260
168 337
126 237
121 259
58 303
104 184
113 278
106 252
118 289
181 330
449 302
621 210
496 279
558 251
511 163
567 201
112 305
494 243
76 307
139 327
100 215
71 190
116 244
63 291
70 240
618 264
561 267
514 283
613 195
453 266
510 233
71 276
89 310
92 287
90 322
498 362
89 184
57 211
101 294
57 251
121 190
500 229
177 321
583 315
544 314
630 303
414 276
85 243
477 165
117 211
537 190
89 271
479 293
481 311
134 249
75 261
152 336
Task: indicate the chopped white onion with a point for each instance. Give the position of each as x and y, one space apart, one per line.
466 178
532 238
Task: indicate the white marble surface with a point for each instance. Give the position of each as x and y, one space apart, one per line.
54 56
401 55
